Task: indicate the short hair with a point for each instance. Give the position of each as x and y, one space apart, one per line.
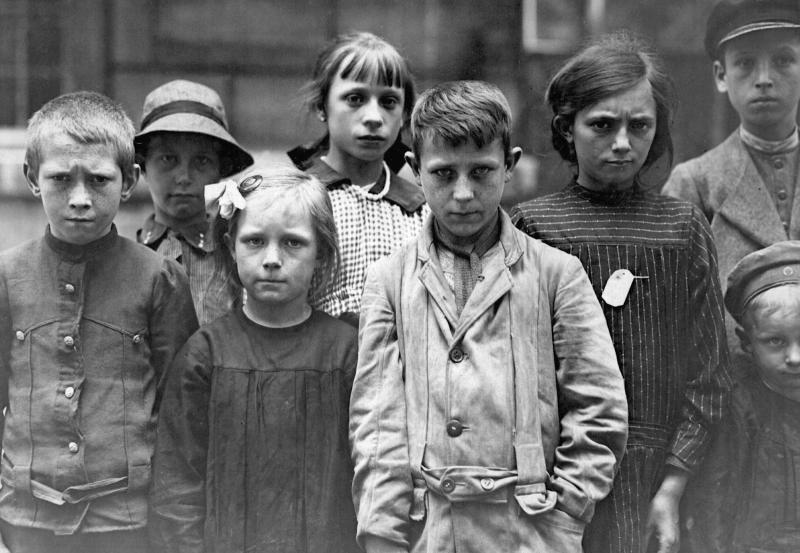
313 196
458 112
762 302
611 65
88 118
362 57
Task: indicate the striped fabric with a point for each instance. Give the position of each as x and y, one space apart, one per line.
669 334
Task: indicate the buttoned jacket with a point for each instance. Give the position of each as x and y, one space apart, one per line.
517 400
86 336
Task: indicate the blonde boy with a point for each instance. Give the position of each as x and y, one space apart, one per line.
89 322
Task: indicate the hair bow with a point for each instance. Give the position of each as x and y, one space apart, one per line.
227 195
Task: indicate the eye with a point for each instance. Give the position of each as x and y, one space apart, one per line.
167 159
354 100
600 125
775 341
640 125
253 242
203 161
443 174
743 63
390 102
100 180
481 171
783 61
61 177
294 243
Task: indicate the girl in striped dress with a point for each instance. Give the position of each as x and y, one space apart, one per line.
362 90
652 261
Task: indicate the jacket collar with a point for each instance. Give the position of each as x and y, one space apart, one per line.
81 252
510 239
407 195
198 236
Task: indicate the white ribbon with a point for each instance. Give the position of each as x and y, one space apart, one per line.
226 194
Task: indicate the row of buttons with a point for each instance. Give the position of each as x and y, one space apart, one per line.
448 484
69 341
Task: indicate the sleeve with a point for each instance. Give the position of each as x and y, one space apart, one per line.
591 396
708 384
6 331
177 499
682 184
172 319
382 486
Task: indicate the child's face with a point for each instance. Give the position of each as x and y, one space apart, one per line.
612 138
81 187
363 119
178 166
463 184
275 249
772 338
761 75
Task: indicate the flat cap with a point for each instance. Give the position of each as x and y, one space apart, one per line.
759 271
733 18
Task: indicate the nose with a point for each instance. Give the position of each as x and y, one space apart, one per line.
462 190
793 354
183 174
372 115
622 143
764 74
272 256
79 197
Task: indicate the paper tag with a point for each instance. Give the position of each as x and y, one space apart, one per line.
619 284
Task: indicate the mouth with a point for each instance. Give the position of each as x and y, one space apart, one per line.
763 100
80 220
371 140
620 162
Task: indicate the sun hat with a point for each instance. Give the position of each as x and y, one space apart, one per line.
186 106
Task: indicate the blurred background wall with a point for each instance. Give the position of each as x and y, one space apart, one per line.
257 54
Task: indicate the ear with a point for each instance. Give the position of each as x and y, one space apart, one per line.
720 76
321 115
511 161
32 179
129 184
413 162
564 127
744 340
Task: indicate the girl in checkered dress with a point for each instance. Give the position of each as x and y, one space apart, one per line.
362 90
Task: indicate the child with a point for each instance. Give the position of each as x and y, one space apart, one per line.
748 187
652 262
89 323
362 90
750 500
252 448
184 145
488 412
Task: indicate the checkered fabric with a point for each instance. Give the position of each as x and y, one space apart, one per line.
368 230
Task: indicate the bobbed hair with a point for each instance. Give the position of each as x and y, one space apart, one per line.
363 57
458 112
610 65
312 195
88 118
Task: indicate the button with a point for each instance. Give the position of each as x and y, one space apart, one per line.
73 447
786 226
778 163
69 341
487 484
69 288
20 335
69 391
456 355
454 428
782 194
137 338
448 485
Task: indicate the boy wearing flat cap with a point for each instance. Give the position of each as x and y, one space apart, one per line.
749 186
752 492
182 146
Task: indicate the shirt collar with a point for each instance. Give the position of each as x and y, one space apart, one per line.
770 146
407 195
487 238
81 252
199 235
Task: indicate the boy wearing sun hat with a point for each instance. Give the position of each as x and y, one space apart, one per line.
183 145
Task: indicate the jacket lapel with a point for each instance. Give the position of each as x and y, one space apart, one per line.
748 207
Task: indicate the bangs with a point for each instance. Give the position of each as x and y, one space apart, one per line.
375 66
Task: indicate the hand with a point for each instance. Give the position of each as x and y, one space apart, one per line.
3 548
663 520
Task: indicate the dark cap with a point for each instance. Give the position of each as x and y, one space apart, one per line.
186 106
733 18
761 270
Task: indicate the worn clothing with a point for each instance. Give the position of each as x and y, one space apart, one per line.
727 186
252 445
19 539
369 229
747 496
669 334
86 336
204 260
495 430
